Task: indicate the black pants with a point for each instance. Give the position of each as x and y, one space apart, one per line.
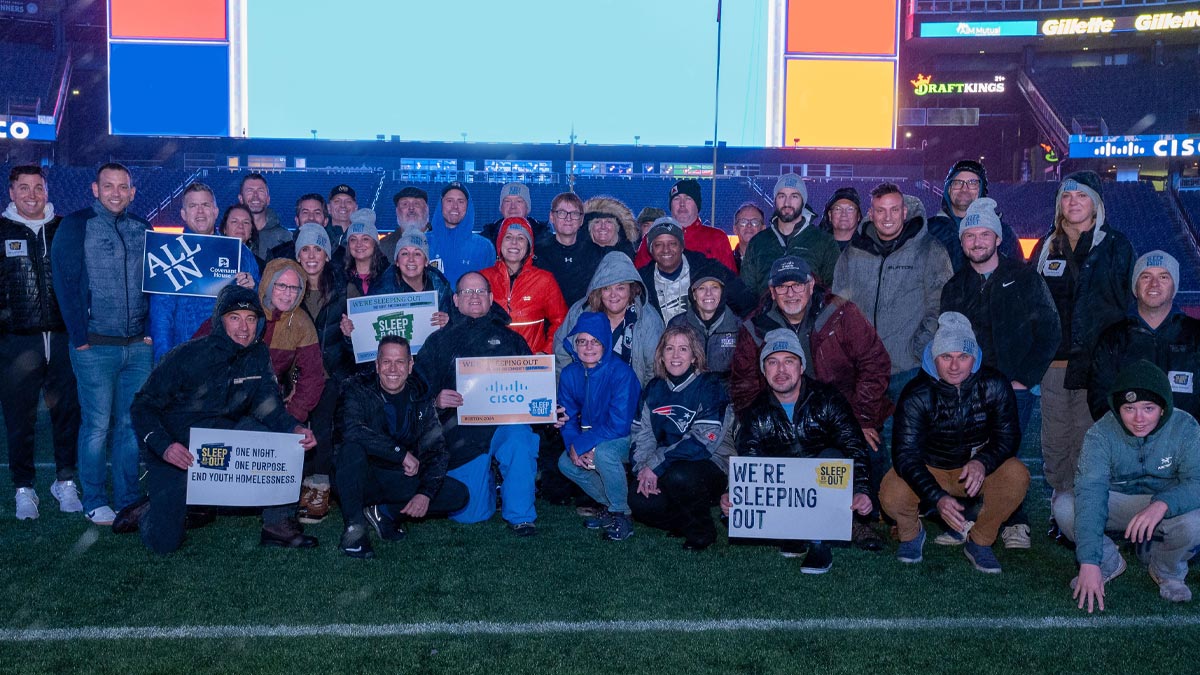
687 493
360 484
163 525
24 374
319 460
553 486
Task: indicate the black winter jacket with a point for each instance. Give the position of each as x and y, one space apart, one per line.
1013 316
1174 347
945 427
823 420
27 301
362 419
487 335
737 296
208 382
336 353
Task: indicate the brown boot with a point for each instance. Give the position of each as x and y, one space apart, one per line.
314 503
286 534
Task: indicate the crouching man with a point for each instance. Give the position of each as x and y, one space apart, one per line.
391 457
956 435
800 417
222 381
1139 472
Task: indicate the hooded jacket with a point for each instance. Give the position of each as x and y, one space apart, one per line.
943 426
273 236
944 226
719 336
601 401
628 233
531 298
1165 464
814 245
458 249
292 341
1013 316
846 353
464 336
336 353
1102 290
1174 347
615 268
849 194
821 420
27 302
737 296
362 418
897 285
210 382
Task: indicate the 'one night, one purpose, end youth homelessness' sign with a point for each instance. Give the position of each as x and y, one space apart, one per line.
790 498
244 468
189 264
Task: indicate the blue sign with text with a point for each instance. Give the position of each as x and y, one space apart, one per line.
189 264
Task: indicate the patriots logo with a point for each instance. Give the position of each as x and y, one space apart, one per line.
681 416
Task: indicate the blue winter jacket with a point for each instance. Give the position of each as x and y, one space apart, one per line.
459 249
601 401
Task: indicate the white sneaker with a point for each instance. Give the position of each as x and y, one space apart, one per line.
27 503
1015 536
67 495
102 515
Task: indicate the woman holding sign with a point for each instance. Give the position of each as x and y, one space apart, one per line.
681 442
412 273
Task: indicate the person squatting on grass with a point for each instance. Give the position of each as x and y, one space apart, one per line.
390 457
800 417
956 436
598 398
682 442
1138 475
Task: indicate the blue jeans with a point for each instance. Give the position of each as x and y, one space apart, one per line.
606 484
1026 399
515 449
108 377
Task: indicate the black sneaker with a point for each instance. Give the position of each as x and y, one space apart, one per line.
819 559
387 527
620 528
356 543
288 534
865 537
523 529
129 518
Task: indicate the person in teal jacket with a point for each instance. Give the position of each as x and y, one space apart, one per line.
1139 473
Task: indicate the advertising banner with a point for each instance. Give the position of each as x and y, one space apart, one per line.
190 264
506 389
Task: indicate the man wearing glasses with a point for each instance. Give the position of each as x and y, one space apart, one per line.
792 231
747 222
966 182
571 259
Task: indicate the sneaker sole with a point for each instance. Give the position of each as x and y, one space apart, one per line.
815 570
910 561
947 540
309 520
1019 545
985 570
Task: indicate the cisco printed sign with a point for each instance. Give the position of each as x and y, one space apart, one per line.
27 128
1168 145
925 85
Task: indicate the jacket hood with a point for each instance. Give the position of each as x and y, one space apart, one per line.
959 167
271 274
594 324
1142 374
868 240
452 238
507 225
838 195
930 368
232 298
1088 182
12 214
614 268
615 208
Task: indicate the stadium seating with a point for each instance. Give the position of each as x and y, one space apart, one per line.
1131 99
28 74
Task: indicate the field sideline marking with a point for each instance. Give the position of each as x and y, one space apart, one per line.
467 628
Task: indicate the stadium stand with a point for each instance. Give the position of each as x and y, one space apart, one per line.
1130 99
28 74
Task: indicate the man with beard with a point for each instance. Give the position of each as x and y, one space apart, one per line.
412 212
965 182
255 195
453 247
791 232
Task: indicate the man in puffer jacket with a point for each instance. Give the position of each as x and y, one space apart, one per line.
529 294
1139 472
956 435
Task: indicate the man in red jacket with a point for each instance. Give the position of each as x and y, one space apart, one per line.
529 294
685 204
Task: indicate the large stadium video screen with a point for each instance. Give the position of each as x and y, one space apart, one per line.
523 71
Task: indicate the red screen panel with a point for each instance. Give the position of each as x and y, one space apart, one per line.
187 20
842 27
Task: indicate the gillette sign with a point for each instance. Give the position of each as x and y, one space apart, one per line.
1172 145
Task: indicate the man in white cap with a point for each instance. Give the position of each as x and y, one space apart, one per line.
1156 330
793 231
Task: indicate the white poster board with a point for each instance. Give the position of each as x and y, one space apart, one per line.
408 315
506 389
790 498
244 468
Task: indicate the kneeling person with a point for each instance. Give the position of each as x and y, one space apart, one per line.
222 381
800 417
391 457
956 435
1139 471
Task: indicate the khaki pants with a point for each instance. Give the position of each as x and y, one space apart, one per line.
1002 492
1065 419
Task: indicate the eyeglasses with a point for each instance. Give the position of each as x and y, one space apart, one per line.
587 342
753 222
791 288
843 209
959 183
474 291
287 288
567 215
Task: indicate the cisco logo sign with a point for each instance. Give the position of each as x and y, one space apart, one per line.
26 129
1176 145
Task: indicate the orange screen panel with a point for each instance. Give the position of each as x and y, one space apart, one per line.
842 27
814 116
186 20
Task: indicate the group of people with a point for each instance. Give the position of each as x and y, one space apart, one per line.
915 347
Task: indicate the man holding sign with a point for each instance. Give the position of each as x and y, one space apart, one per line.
223 381
800 417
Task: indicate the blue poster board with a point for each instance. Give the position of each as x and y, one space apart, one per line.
189 264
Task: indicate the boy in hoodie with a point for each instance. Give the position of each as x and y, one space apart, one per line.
965 182
33 345
1139 473
529 294
956 436
453 247
598 394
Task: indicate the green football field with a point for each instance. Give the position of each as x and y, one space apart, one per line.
472 598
